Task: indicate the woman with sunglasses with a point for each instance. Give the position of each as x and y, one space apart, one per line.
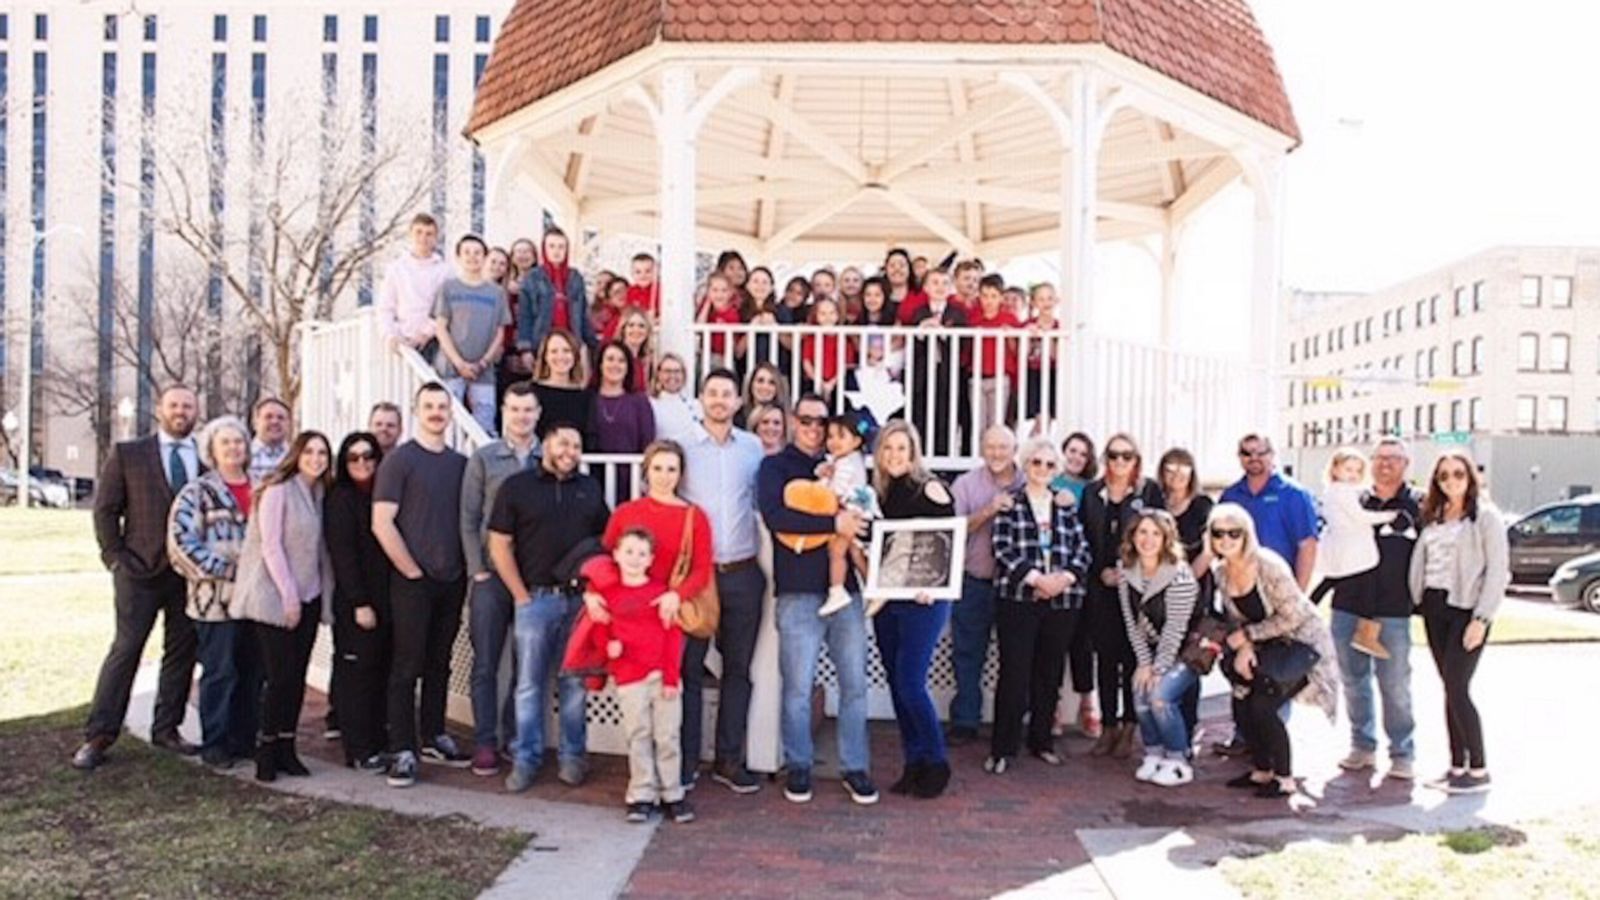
360 603
1042 560
1459 574
1263 602
1110 503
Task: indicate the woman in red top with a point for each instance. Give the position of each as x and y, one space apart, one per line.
823 373
665 515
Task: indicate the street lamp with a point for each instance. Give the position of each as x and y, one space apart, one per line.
125 416
25 453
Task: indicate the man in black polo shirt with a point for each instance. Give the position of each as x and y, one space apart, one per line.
540 516
1386 599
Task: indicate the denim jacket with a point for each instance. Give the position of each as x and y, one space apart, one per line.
536 315
205 531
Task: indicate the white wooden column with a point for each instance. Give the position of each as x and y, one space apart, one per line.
676 140
1264 174
1079 210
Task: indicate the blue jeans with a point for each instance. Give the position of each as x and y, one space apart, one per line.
230 687
541 630
971 624
488 622
907 634
1394 684
801 633
1160 712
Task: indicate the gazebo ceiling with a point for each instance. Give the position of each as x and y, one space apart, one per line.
1212 46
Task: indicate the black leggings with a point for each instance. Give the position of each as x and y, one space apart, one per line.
285 653
1114 659
361 665
1258 720
1033 653
1080 660
1445 626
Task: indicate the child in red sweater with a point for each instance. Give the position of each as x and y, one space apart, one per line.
644 655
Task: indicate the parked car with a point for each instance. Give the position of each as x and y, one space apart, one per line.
40 493
82 488
1577 583
1552 535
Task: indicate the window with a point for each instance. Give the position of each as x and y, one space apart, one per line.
1456 409
1433 361
1475 414
111 28
258 29
1477 355
41 27
1561 520
441 29
369 29
1291 394
480 27
1530 290
1560 353
1561 292
5 27
1433 409
149 28
1528 353
219 28
1368 336
1555 413
1416 420
1477 296
1420 370
1400 320
1458 359
1422 307
1388 322
1433 309
1461 301
330 29
1527 412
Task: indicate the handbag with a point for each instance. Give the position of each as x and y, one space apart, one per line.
1207 637
1282 664
698 615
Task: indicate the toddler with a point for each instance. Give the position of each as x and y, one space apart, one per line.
845 473
1349 548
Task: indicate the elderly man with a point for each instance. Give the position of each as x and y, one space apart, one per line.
980 494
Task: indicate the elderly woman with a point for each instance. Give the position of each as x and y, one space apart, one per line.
677 413
1458 578
908 632
285 587
205 531
1042 560
1157 590
1273 625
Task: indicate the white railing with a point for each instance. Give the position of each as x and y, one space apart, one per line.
1045 383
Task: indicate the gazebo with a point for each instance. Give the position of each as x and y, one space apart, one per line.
833 130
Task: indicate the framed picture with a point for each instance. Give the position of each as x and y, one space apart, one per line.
914 556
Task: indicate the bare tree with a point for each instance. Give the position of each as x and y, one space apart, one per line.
325 201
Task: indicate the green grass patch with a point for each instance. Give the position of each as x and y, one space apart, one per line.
39 541
57 630
150 824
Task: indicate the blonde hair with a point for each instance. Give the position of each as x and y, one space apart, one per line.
1233 514
918 472
1338 458
654 449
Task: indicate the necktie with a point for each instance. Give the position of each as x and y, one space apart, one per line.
177 472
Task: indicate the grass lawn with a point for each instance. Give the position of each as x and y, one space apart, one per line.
57 630
36 541
1552 858
153 825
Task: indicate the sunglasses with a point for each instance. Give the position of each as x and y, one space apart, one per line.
1456 475
1042 463
1121 455
811 421
1254 454
356 456
1232 534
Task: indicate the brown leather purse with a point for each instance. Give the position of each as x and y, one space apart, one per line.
698 615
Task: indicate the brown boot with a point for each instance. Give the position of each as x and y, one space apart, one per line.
1124 746
1366 638
1106 743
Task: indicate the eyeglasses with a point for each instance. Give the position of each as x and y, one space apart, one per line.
1121 455
1254 454
811 421
1231 534
1042 463
1452 475
356 456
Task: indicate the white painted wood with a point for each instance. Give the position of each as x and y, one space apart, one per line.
767 209
675 139
1264 174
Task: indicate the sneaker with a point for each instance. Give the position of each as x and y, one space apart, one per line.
838 598
376 764
861 788
680 812
572 772
1048 757
1234 746
735 777
485 762
520 779
638 813
1467 783
1147 769
692 780
1357 760
403 771
797 786
1400 770
1366 639
443 751
997 765
1172 772
1443 781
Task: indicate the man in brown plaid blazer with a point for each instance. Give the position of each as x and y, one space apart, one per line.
137 486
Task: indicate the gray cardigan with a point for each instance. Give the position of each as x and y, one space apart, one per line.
1482 564
487 469
255 594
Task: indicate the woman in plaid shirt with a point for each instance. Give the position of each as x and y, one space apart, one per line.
1041 558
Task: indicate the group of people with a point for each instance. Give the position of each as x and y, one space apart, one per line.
1095 579
499 316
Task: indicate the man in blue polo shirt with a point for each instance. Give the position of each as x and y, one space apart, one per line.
1285 513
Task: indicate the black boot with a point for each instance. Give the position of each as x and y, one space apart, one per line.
935 777
267 759
908 779
288 762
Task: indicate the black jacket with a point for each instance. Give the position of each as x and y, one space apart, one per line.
360 567
1105 536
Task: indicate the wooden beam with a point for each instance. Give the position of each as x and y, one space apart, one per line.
1022 198
929 219
1049 238
649 226
1203 187
767 208
816 215
579 165
948 134
965 151
713 196
642 153
804 131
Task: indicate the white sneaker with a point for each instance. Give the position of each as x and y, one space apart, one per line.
838 598
1147 770
1172 773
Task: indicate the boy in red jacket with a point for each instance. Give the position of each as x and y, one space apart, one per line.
644 654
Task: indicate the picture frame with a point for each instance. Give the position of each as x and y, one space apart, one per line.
909 557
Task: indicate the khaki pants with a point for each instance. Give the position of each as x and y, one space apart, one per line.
651 723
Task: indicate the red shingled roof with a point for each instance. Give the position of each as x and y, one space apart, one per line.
1213 46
